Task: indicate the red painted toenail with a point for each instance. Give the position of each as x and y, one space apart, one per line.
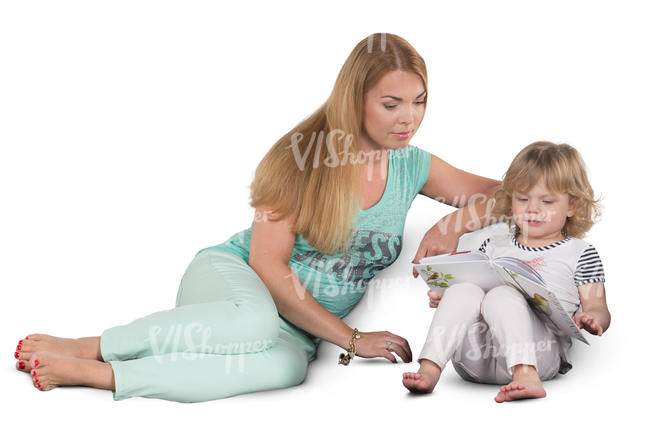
38 384
33 372
26 338
19 347
20 342
21 365
36 379
36 363
16 355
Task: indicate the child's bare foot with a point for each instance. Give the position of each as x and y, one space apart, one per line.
85 348
424 380
525 384
50 370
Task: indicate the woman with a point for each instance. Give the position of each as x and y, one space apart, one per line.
330 199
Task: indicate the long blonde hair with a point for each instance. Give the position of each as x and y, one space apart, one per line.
562 169
303 181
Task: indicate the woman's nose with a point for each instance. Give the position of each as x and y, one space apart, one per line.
407 116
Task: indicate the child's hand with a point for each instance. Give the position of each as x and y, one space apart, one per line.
434 298
588 322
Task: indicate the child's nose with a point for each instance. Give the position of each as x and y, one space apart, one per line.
533 206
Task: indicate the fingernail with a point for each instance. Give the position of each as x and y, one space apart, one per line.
36 363
16 355
21 365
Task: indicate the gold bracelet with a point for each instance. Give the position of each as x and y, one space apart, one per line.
345 358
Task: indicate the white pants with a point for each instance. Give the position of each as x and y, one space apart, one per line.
488 334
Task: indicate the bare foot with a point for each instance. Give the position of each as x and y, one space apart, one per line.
424 380
84 348
50 370
23 366
525 384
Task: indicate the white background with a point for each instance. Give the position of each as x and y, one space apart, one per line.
130 131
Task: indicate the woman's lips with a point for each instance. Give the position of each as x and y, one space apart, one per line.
402 135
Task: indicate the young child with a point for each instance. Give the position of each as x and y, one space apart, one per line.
494 336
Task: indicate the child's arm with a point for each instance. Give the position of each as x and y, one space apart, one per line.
594 317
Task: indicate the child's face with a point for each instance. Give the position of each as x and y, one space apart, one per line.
540 214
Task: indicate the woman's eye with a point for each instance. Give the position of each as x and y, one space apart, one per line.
419 103
390 107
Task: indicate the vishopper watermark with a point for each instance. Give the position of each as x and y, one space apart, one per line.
334 158
442 339
191 341
323 284
262 216
476 221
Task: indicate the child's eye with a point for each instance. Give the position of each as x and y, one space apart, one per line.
547 201
522 199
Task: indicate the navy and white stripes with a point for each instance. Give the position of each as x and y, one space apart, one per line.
483 245
544 248
589 268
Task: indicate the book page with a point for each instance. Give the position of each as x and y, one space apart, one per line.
461 256
439 276
543 302
520 267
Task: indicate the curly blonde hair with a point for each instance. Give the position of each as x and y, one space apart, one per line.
563 171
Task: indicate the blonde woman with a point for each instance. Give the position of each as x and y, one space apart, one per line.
330 199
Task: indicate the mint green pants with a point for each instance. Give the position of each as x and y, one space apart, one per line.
224 338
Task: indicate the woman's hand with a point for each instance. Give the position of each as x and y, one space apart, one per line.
375 344
588 322
439 239
434 298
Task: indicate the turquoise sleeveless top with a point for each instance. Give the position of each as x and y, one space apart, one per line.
339 281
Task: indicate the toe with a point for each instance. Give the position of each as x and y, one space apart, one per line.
23 355
22 366
34 361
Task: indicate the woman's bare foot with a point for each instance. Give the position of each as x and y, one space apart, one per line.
525 384
424 380
23 366
50 370
84 348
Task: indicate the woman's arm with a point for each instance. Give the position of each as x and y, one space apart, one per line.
270 250
458 188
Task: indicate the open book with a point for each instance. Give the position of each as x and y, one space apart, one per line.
440 272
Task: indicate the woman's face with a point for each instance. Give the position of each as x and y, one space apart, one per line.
393 110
